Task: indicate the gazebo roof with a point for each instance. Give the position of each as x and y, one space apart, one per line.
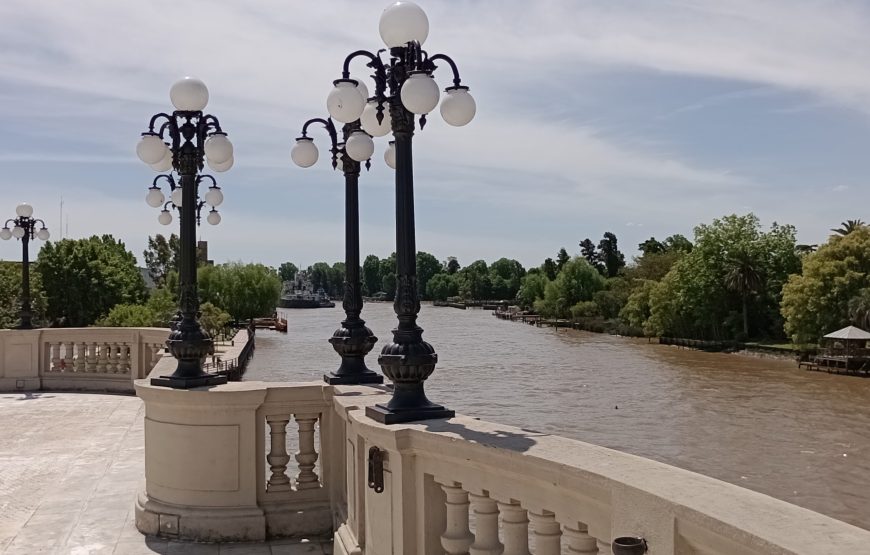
849 332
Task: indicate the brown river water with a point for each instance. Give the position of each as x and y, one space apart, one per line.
763 424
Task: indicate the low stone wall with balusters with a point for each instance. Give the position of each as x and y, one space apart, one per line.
72 359
220 465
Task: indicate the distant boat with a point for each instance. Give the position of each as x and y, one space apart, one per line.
299 293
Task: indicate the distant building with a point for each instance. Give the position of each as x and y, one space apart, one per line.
202 254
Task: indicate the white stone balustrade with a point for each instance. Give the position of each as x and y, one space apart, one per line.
87 359
218 468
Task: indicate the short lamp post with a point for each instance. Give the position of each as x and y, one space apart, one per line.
24 228
404 88
191 138
353 340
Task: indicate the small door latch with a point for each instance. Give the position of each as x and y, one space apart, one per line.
376 469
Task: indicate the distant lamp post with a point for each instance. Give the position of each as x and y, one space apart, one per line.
181 141
404 87
353 340
24 228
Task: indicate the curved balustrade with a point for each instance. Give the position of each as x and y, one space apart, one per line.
90 359
220 465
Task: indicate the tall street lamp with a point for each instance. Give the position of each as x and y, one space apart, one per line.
192 137
24 228
404 87
353 340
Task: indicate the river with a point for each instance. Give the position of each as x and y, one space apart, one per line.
763 424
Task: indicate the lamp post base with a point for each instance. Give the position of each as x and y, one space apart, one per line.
357 378
189 383
353 341
385 415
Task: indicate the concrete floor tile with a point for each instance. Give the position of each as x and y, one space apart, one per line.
191 548
143 546
245 549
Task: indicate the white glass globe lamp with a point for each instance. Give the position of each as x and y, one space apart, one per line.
189 95
360 146
403 22
214 217
218 148
155 197
5 234
458 107
304 153
151 149
390 155
420 93
24 210
369 119
176 196
165 164
361 88
18 232
214 196
43 234
345 103
223 166
165 217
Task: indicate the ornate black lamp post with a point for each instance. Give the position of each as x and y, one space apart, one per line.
24 228
192 136
403 87
353 340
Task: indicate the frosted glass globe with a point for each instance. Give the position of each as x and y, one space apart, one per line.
214 218
218 149
223 166
458 107
304 153
361 88
18 232
403 22
165 164
345 103
369 119
189 94
5 234
360 146
214 196
155 197
176 196
151 149
24 210
420 93
165 217
43 234
390 155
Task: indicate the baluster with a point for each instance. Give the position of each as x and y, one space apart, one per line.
456 538
102 357
278 457
579 540
307 455
91 359
81 350
55 357
546 532
516 528
68 357
123 358
113 358
486 526
155 354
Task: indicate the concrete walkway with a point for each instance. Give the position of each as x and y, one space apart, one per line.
71 465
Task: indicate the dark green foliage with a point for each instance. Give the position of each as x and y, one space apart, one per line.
371 275
10 295
610 256
452 265
287 271
244 290
161 257
427 267
561 259
549 269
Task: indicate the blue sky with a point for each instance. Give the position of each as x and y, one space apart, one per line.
640 118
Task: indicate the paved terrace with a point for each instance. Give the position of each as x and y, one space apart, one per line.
71 465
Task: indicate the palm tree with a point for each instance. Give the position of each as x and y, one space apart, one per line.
742 277
848 227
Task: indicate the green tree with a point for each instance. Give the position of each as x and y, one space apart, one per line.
636 311
859 309
10 295
587 251
816 301
336 280
532 288
506 275
85 278
244 290
161 257
427 267
452 265
849 226
578 281
549 269
287 271
610 256
475 283
388 276
651 246
371 275
742 276
128 316
442 286
213 318
320 274
561 259
678 243
163 305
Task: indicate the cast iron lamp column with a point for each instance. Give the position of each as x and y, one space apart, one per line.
192 136
405 85
24 228
353 340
